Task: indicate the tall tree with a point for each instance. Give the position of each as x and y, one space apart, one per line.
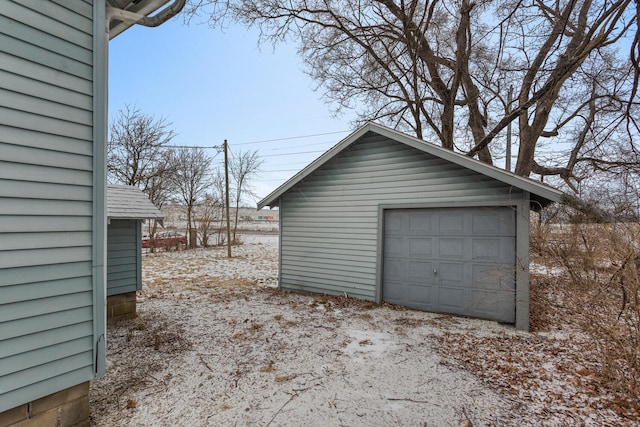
443 69
191 180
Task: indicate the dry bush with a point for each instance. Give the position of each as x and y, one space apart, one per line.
594 285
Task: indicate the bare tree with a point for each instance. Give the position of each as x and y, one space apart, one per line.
243 166
191 179
211 211
443 70
210 216
138 154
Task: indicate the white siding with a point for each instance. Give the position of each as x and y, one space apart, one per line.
329 221
46 197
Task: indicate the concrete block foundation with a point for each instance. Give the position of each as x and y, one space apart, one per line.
66 408
121 307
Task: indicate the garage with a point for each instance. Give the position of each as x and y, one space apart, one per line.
451 260
383 216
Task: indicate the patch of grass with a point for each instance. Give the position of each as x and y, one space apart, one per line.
408 321
285 378
256 326
237 335
140 326
269 368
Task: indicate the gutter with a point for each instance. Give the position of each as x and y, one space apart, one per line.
129 18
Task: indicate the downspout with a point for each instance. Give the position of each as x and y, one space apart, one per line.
147 21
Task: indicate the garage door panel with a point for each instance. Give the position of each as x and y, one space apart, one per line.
396 269
424 224
419 296
393 224
452 299
493 222
452 223
484 304
420 271
499 250
492 277
394 246
451 273
421 247
463 263
451 248
396 292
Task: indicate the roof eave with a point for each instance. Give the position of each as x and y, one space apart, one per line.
526 184
545 194
272 200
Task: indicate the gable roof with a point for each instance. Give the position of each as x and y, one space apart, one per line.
541 193
128 202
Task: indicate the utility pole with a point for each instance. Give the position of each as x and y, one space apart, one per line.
226 180
507 164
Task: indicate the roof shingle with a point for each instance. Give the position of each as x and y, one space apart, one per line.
128 202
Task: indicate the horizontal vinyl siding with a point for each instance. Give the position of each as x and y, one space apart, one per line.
46 194
329 221
44 191
123 257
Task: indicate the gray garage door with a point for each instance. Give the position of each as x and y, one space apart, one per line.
451 260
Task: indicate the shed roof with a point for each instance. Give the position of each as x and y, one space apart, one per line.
541 194
128 202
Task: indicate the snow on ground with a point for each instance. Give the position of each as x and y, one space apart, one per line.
216 344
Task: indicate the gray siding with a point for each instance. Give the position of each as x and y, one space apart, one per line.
330 220
47 282
124 267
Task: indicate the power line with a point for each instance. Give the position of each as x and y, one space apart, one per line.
214 147
292 154
303 145
289 138
221 147
279 170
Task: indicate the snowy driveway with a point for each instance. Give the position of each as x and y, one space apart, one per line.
216 345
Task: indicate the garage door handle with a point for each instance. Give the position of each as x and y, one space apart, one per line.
435 271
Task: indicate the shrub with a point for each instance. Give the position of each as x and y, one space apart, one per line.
597 289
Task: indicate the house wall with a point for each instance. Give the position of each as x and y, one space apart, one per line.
124 257
52 258
330 222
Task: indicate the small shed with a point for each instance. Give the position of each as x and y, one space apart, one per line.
127 208
383 216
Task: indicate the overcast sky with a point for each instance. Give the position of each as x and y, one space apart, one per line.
215 85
